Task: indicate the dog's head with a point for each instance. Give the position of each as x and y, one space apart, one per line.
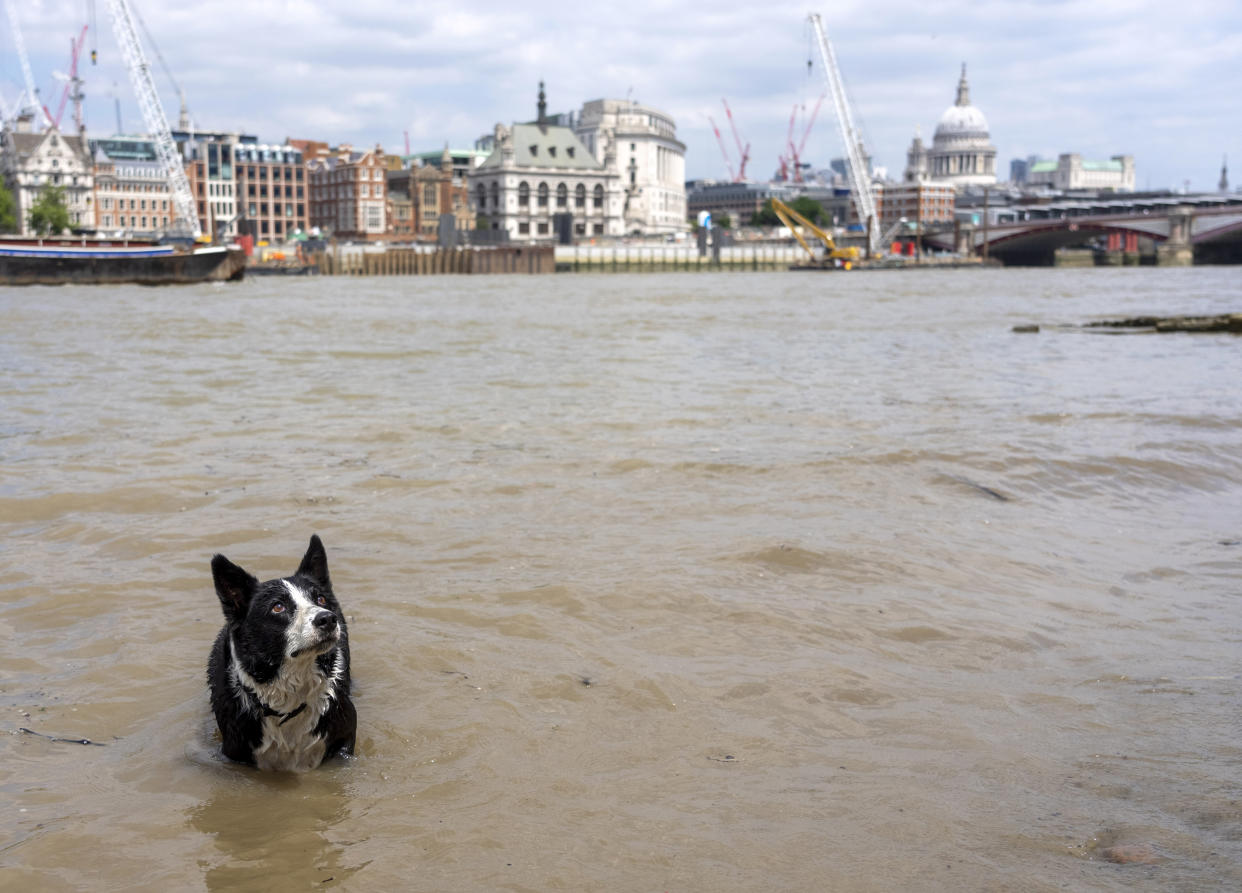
286 618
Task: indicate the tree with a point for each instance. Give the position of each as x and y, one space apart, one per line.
48 215
811 210
722 220
807 207
8 211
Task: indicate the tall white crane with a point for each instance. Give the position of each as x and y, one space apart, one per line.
32 92
859 176
185 215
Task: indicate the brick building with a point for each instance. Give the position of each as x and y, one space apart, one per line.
271 191
432 189
131 191
929 202
346 192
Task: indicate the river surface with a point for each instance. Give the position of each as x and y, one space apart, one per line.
686 582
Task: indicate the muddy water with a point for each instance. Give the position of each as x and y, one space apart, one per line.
688 582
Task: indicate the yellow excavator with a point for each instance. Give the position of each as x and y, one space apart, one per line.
848 257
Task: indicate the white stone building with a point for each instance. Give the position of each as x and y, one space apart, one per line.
961 153
540 172
1070 171
30 162
648 158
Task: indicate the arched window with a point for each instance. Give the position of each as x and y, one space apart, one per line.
543 195
598 196
562 195
579 196
495 194
523 194
481 197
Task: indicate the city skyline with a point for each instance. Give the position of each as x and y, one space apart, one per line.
1103 79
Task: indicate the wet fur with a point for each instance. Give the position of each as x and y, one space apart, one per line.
266 663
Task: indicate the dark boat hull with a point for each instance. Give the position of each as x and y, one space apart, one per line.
202 265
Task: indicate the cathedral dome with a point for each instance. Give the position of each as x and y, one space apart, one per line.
962 121
961 152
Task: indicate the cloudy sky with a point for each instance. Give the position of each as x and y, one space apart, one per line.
1159 80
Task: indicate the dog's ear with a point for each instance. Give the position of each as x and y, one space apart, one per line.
315 562
234 586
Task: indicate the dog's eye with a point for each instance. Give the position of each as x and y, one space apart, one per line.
322 602
278 608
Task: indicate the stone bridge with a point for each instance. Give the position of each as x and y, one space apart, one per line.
1172 230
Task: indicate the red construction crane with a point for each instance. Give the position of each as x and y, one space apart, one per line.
805 134
744 153
723 150
786 160
73 85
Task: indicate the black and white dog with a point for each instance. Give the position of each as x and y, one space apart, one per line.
279 670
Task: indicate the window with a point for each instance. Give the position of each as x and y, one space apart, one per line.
569 150
543 195
598 229
377 174
481 196
523 194
552 151
562 195
579 196
524 228
598 197
495 194
429 194
543 228
366 191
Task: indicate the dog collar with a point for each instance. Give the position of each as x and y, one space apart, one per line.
268 711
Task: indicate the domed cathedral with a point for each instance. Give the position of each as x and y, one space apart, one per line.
961 154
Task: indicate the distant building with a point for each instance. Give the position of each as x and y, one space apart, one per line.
346 193
1070 172
915 202
1020 170
463 161
131 189
740 201
648 158
1223 185
540 173
208 159
435 184
271 191
30 162
961 153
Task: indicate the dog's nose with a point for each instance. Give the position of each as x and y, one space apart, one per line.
324 620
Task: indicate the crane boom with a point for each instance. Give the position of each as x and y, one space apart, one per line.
723 151
743 153
153 115
32 92
183 122
860 179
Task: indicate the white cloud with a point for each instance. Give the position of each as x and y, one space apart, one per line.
1101 77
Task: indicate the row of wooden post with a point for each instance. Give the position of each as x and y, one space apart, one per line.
410 262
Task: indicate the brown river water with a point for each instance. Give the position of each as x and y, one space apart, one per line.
685 582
